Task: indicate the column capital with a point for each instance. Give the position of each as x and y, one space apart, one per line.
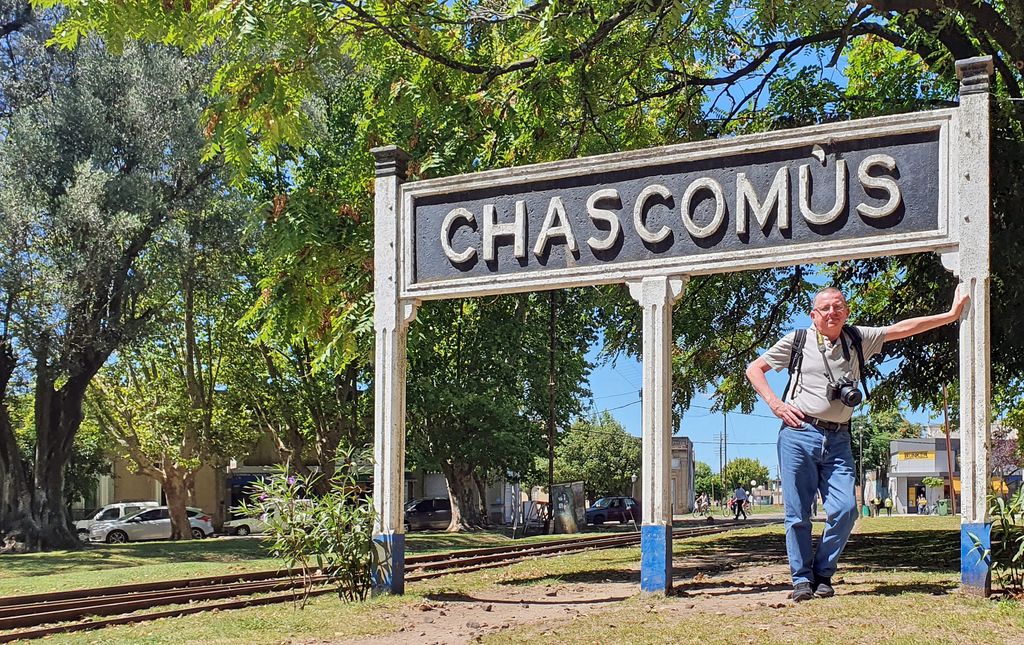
950 261
975 75
409 309
390 161
660 289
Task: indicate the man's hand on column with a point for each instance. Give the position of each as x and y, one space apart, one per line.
960 300
790 415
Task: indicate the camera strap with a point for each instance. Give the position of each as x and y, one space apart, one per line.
796 359
824 356
858 346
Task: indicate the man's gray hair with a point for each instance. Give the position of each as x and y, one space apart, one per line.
828 290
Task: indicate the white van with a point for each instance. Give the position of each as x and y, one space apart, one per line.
109 513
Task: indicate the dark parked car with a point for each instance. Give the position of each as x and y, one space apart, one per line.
614 509
430 513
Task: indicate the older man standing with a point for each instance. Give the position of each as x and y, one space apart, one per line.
815 455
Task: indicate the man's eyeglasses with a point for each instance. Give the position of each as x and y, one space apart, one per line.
836 308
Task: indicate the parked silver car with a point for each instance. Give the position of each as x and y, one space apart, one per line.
150 524
109 513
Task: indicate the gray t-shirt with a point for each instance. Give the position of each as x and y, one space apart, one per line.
807 393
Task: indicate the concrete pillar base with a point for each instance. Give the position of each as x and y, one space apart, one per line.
389 577
656 558
976 559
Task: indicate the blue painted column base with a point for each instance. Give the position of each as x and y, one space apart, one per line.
976 558
655 558
389 576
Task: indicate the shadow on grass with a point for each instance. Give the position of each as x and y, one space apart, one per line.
900 588
461 597
99 557
439 540
423 541
928 550
591 575
683 584
933 551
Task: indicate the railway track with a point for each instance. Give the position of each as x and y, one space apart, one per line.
38 615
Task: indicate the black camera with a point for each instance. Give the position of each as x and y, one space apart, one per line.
844 390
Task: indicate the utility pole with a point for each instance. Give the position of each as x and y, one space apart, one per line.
725 448
949 448
721 467
551 409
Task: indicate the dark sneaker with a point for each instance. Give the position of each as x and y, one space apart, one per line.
823 588
802 591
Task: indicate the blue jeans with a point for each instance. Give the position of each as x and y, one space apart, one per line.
813 461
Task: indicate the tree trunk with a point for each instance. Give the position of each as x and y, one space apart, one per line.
481 487
39 518
464 496
176 491
16 520
220 488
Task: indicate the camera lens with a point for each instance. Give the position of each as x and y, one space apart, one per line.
850 396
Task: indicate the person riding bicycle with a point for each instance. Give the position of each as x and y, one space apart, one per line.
703 503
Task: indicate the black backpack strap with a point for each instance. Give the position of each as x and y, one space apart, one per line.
857 341
796 359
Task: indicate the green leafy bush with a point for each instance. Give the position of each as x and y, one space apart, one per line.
1007 551
329 534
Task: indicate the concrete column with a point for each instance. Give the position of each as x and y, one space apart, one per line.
971 184
391 318
656 296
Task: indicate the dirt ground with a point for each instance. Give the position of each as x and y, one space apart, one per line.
721 584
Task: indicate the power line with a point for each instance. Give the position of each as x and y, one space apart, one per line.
619 407
612 396
692 405
739 443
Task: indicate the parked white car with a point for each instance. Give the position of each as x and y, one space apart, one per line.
256 525
109 513
246 525
150 524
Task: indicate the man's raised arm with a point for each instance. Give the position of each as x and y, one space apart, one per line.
911 326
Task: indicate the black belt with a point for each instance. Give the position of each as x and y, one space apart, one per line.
831 426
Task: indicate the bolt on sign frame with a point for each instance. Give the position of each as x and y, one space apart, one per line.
651 219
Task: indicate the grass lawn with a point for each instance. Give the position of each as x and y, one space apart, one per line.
99 565
900 576
897 585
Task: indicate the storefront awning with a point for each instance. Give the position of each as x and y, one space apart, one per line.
998 486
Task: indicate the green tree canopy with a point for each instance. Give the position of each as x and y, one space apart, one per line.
91 174
473 85
478 387
168 402
598 451
743 470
